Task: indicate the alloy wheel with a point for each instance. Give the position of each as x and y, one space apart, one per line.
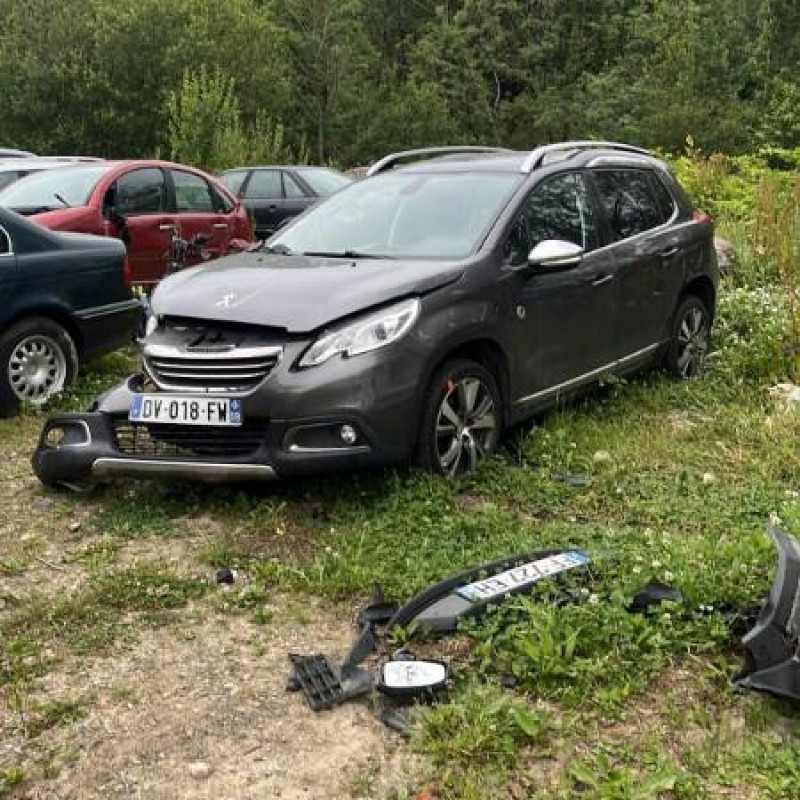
37 369
466 426
693 342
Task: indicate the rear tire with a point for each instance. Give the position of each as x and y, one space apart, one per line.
461 420
38 359
690 339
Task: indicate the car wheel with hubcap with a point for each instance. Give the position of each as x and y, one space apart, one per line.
37 360
690 340
462 419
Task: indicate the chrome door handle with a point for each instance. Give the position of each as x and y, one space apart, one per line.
166 226
669 252
221 226
602 279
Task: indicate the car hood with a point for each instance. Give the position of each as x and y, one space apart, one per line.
296 293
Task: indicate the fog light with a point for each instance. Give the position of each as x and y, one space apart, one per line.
348 434
55 436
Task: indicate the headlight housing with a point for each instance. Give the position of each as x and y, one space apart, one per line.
151 324
362 335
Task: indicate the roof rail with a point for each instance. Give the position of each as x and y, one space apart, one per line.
537 156
389 161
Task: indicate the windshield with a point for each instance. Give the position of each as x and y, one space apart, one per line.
403 214
73 185
324 181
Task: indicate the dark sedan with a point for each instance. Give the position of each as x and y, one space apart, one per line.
272 195
63 300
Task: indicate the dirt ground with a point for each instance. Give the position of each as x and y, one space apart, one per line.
194 709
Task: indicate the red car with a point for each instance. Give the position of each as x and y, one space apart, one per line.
144 203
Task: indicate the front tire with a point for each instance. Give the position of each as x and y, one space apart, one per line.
38 359
461 420
690 339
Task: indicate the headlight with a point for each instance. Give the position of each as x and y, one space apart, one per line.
150 325
362 335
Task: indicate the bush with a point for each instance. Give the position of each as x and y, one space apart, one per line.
206 127
753 335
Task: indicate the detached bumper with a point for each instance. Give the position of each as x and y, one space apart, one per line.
772 647
103 445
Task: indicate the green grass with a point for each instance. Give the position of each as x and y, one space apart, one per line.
111 606
676 482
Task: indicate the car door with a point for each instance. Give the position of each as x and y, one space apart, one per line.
199 212
647 252
565 316
136 210
263 197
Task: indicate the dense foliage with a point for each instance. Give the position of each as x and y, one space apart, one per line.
352 79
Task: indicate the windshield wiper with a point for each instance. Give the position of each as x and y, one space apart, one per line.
61 199
345 254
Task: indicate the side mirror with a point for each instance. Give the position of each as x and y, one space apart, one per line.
412 678
555 254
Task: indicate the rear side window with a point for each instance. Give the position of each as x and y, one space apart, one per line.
629 202
142 191
234 181
5 243
558 209
264 184
7 178
192 193
293 191
665 200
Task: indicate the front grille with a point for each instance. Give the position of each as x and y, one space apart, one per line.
182 441
239 370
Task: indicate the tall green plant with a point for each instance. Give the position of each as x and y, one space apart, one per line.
202 113
776 236
206 127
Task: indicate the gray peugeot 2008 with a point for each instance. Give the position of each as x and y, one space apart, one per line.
414 315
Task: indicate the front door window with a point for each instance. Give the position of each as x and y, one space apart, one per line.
142 191
558 209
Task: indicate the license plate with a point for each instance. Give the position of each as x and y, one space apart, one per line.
520 576
178 410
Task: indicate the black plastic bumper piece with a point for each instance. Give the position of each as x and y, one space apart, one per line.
326 685
772 647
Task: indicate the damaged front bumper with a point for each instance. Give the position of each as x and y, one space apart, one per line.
772 647
102 444
75 449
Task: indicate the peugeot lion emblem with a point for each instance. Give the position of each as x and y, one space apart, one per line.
227 300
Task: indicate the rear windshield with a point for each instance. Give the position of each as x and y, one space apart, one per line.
404 214
324 181
55 188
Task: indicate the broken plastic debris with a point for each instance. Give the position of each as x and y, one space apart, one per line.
326 685
772 647
226 576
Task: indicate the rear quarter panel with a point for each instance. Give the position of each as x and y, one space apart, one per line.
70 285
